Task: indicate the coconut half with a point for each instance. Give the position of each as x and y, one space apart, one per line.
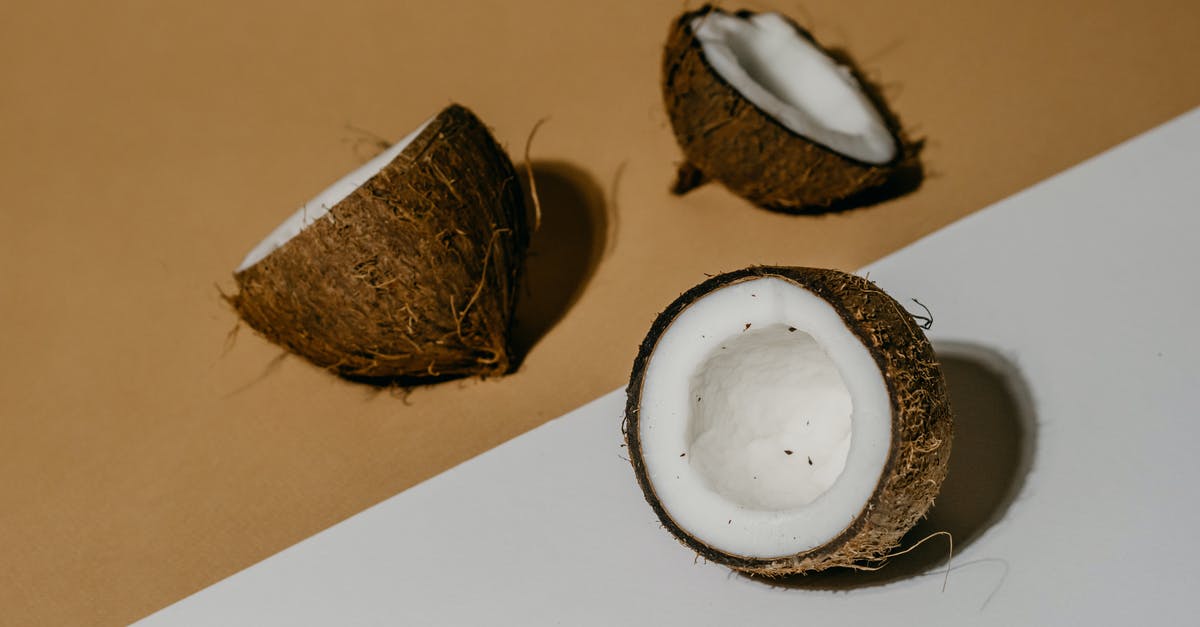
757 104
406 268
787 420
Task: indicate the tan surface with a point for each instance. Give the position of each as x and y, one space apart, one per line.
144 148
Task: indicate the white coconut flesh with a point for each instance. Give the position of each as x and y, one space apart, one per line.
795 82
769 440
318 208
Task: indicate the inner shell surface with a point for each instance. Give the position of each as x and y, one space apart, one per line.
770 425
795 82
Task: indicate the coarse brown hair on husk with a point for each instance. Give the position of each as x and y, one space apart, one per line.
921 421
726 138
411 277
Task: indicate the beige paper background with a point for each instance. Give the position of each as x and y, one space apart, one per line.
146 146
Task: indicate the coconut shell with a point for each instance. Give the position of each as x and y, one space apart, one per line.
921 421
413 275
726 138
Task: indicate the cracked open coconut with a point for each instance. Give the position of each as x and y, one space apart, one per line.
787 420
407 268
758 105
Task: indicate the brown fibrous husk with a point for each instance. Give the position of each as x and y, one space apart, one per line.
726 138
413 276
920 414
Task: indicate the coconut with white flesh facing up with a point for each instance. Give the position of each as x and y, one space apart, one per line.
758 105
785 420
407 268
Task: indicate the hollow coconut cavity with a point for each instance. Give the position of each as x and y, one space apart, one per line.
786 420
757 104
406 268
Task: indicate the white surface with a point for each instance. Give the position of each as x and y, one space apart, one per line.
1085 282
774 402
793 81
320 205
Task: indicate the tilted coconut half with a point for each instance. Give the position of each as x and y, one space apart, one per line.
757 104
406 268
785 420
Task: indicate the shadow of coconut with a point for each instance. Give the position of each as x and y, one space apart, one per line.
563 253
994 442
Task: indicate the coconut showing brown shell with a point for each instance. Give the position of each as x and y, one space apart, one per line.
758 105
407 268
787 420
